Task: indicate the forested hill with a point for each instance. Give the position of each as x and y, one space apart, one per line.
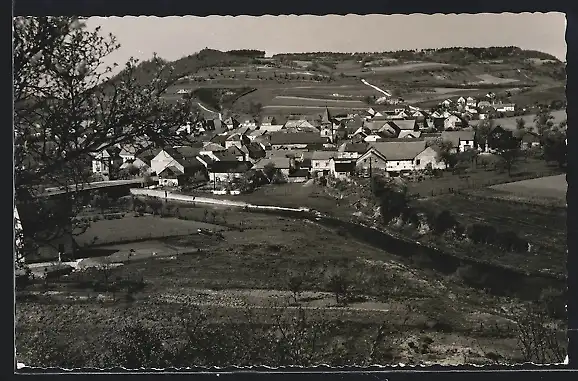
453 55
189 65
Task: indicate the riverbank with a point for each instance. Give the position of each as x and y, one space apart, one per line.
498 279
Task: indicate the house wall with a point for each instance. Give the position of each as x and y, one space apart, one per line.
164 160
320 165
465 145
221 177
169 182
427 156
363 162
399 165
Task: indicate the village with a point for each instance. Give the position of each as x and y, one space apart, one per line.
258 208
396 139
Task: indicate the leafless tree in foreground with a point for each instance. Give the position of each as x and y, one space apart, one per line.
538 337
68 106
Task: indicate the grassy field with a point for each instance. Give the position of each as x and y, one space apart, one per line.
544 228
293 195
547 187
480 177
491 80
241 278
510 123
135 228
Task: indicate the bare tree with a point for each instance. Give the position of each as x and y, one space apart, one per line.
538 340
69 106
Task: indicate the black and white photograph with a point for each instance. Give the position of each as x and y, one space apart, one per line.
291 190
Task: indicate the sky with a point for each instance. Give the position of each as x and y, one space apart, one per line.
175 37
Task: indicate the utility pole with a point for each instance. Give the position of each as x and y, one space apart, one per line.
370 167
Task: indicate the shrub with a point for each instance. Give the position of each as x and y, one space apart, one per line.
482 233
510 241
443 222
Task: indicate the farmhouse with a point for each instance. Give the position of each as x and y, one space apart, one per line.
254 151
452 122
321 162
179 158
227 170
505 107
173 176
471 102
107 162
281 163
528 139
397 157
461 140
342 168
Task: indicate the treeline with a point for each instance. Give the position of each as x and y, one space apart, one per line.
250 53
444 54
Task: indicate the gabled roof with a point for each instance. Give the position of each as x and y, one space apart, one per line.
456 136
298 123
219 139
396 150
147 155
229 166
323 155
282 138
186 156
359 147
212 147
404 124
278 162
170 172
225 156
409 134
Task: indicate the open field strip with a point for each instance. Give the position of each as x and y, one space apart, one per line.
551 186
316 99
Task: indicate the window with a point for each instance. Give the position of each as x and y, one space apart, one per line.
417 161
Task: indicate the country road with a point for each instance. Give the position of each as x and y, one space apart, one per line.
206 109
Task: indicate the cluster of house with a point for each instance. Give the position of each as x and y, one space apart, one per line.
393 138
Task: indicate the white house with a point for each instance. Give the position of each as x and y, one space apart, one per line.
179 158
107 162
342 168
398 157
452 122
506 107
321 161
471 102
428 157
461 140
461 101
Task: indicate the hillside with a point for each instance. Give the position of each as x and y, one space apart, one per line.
282 82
